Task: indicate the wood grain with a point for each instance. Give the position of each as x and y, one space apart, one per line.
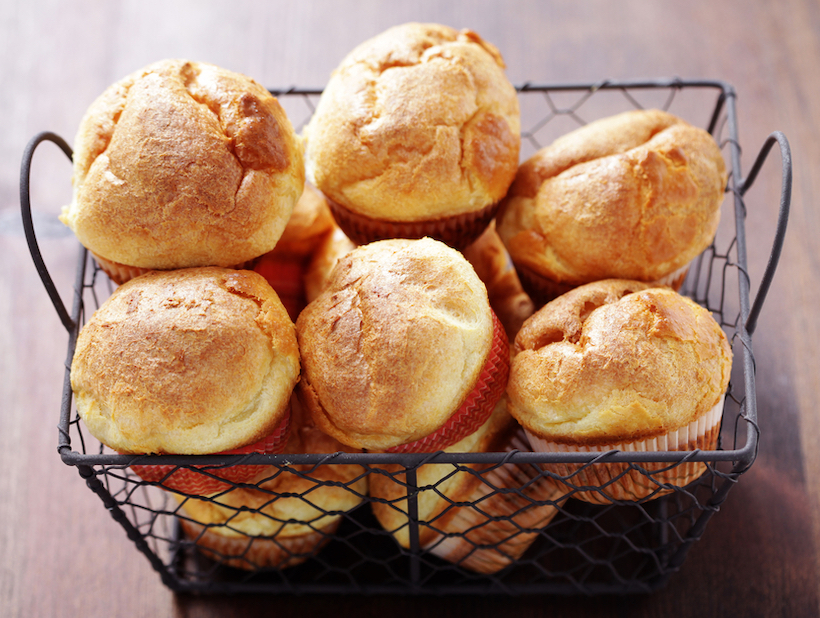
62 555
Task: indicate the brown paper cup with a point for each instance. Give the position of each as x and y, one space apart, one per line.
542 289
458 231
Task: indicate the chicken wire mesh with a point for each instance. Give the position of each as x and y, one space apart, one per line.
516 524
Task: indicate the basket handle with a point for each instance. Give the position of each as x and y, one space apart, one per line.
782 218
28 223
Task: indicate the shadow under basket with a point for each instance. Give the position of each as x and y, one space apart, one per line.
585 548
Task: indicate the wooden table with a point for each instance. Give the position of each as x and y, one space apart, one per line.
60 553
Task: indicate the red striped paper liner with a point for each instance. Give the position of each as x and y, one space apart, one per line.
192 481
285 276
479 404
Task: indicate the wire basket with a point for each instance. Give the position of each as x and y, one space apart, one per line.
577 547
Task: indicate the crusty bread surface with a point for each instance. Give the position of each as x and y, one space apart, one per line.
394 344
191 361
634 196
617 361
417 123
184 164
493 266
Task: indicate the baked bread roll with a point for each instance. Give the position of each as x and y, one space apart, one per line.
285 265
192 361
493 266
290 517
309 223
481 522
183 164
324 260
401 350
416 134
623 365
633 196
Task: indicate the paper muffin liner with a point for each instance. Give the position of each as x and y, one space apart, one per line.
479 404
542 290
618 481
121 273
230 548
193 482
285 275
498 528
458 231
674 279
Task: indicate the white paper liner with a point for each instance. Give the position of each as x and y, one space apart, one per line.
674 279
122 273
633 485
486 544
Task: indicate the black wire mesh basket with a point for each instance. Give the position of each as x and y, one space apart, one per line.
560 544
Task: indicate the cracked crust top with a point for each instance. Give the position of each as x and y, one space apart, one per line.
418 123
634 196
191 361
616 361
394 344
184 164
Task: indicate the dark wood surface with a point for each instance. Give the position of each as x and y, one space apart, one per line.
60 552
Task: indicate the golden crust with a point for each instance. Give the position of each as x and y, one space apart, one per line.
192 361
394 344
417 123
617 361
184 164
493 266
633 196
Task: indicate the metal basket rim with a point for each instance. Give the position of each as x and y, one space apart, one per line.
742 458
743 454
